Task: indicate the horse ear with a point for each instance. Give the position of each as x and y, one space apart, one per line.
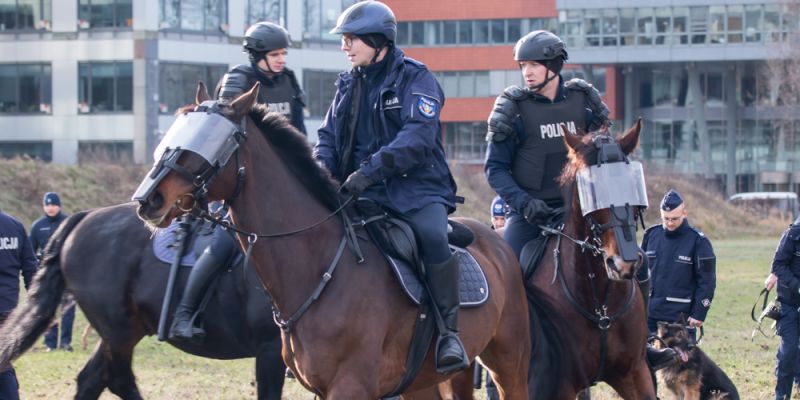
573 141
202 93
245 102
630 140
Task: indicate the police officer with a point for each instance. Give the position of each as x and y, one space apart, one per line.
786 266
498 212
266 45
382 137
526 150
41 230
16 257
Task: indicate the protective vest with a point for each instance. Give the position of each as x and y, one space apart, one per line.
278 96
542 154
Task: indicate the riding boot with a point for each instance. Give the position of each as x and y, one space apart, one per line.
656 358
183 322
443 282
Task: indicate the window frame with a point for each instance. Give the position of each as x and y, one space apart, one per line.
43 22
89 107
86 24
45 93
221 30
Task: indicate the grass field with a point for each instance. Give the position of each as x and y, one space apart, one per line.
165 373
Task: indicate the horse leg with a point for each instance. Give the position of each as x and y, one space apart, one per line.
93 378
270 371
121 381
635 385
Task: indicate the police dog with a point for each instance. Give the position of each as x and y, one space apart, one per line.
695 376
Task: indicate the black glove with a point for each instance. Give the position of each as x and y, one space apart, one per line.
355 184
536 211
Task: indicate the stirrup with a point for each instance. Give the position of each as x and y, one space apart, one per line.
197 334
448 369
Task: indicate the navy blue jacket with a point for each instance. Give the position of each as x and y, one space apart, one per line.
786 265
683 272
16 256
500 156
41 230
407 159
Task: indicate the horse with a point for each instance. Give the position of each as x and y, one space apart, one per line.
588 315
346 324
104 258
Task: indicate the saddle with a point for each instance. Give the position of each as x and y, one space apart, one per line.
397 241
533 251
200 233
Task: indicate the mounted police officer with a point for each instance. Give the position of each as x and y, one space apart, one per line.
266 45
16 258
786 266
526 150
41 230
382 137
682 267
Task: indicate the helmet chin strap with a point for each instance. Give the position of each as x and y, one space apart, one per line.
547 79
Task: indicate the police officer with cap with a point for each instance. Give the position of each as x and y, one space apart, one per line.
16 258
499 208
526 150
786 265
382 138
266 45
41 230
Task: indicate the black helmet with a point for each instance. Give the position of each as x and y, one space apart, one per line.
367 17
264 37
540 46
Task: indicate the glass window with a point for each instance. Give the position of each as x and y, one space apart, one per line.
481 33
449 32
663 24
466 84
498 31
735 25
25 14
627 26
263 10
771 23
105 87
716 26
402 34
714 89
432 33
40 150
644 26
465 32
514 30
417 33
610 27
105 14
572 24
449 81
210 16
591 21
105 152
177 82
680 19
25 88
320 89
752 23
698 23
465 140
482 84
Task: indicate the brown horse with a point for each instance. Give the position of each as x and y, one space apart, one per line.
347 324
589 321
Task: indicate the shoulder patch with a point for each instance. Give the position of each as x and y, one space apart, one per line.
427 107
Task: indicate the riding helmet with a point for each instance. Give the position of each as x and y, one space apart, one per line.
543 47
264 37
367 17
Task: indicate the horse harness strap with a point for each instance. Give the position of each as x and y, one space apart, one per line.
600 315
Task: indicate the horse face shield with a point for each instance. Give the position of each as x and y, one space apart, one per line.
204 132
618 187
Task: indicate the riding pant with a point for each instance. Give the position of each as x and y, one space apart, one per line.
430 225
788 362
519 232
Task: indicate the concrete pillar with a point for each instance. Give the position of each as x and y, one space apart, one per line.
701 126
732 119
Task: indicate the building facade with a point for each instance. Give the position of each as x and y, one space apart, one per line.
80 78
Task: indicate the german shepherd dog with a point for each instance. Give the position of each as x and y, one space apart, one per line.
695 376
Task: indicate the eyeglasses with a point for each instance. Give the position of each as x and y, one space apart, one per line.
347 41
672 219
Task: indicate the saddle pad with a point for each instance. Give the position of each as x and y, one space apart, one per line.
164 246
471 281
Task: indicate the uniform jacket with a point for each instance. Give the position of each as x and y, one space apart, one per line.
408 159
42 229
501 155
16 256
786 265
281 94
683 272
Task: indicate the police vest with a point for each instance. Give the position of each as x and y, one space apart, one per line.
278 95
542 155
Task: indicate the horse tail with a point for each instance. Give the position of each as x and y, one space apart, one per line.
29 320
547 368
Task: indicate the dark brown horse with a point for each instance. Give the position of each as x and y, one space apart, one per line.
352 342
589 322
104 258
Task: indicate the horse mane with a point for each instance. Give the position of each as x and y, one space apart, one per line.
294 150
578 158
